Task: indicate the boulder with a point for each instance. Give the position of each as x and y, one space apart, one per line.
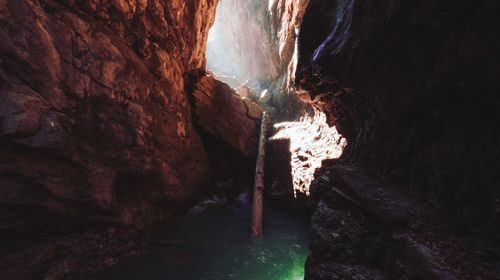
224 114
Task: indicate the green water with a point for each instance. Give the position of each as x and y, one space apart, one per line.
215 244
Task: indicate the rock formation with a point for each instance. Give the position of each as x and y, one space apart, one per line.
413 87
108 120
242 48
364 229
95 122
225 115
414 92
94 118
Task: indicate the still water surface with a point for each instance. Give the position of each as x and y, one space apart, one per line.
213 243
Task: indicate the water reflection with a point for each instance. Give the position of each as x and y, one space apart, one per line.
215 244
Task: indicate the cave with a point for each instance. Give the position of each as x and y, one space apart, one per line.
139 138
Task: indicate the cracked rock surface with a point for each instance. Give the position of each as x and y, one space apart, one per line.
94 118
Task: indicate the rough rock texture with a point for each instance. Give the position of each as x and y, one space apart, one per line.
229 126
225 115
72 256
259 48
363 229
94 119
310 141
260 44
278 169
414 89
286 22
325 270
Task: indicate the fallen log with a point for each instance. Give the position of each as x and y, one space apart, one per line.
257 205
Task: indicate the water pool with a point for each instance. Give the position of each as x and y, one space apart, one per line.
213 243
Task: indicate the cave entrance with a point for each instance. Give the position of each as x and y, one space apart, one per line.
239 48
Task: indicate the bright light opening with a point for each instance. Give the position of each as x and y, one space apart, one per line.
239 48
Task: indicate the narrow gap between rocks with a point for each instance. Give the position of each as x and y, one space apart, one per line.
129 132
244 78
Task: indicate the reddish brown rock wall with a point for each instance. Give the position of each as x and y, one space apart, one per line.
94 118
227 116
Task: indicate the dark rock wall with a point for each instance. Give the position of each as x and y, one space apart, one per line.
414 88
363 229
95 121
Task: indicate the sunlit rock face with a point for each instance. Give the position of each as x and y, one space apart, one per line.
256 40
286 21
311 140
94 118
240 45
415 91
